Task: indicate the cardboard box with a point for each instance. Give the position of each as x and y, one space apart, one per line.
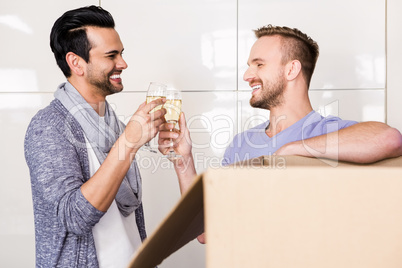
288 212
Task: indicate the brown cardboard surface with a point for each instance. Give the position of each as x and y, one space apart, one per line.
183 224
288 212
304 217
292 160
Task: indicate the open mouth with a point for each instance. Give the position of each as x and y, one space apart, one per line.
115 77
255 88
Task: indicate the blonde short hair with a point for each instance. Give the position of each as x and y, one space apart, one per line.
296 45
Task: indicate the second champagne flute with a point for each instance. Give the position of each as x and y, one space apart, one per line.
173 110
155 91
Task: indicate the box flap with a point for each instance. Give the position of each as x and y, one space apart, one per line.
183 224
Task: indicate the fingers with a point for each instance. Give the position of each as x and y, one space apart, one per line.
158 114
150 106
142 105
201 238
182 121
171 126
157 123
164 143
167 127
168 135
168 130
183 125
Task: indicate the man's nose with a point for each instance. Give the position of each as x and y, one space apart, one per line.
121 64
248 75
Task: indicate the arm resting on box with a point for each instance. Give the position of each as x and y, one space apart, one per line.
366 142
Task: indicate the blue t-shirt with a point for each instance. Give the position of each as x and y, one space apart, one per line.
255 142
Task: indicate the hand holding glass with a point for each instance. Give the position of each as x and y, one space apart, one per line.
173 110
155 91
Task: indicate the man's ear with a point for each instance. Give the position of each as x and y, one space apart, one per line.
75 63
293 69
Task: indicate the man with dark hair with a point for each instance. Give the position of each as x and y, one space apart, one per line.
86 185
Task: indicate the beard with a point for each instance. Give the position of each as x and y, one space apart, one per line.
271 94
103 83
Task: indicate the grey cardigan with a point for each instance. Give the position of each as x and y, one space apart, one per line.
58 163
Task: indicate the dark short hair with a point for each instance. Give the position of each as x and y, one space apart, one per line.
69 33
296 45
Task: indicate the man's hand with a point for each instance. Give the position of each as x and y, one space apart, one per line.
180 139
201 238
184 166
143 126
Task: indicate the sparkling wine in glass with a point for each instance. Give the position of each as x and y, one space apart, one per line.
155 91
173 110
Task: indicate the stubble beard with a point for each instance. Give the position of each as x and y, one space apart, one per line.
103 84
271 95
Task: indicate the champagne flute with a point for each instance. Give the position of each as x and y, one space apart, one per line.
155 91
173 110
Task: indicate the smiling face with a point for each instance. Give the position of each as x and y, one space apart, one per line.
265 74
105 61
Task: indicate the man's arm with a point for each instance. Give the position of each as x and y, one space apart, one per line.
184 166
101 189
365 142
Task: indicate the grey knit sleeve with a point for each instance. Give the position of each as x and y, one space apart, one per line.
56 178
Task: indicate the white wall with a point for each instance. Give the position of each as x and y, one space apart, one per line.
394 59
201 47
